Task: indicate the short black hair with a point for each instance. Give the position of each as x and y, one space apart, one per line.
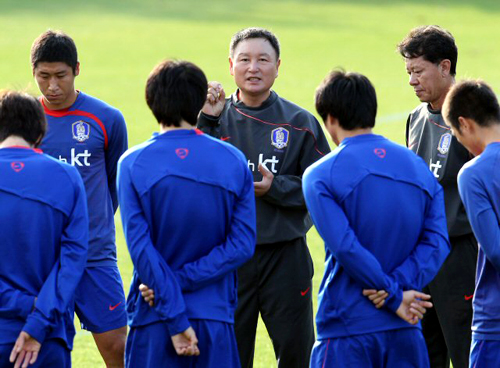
176 91
434 43
54 46
472 99
21 115
254 32
349 97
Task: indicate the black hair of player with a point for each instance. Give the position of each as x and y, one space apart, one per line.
176 91
254 32
21 115
472 99
349 97
433 43
52 47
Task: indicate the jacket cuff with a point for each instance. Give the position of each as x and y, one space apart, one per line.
208 120
36 327
178 324
394 300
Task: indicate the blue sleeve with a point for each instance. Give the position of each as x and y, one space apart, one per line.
149 264
433 247
236 250
333 226
481 215
58 289
15 303
117 145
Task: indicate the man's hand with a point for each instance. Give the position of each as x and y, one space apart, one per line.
147 294
377 297
413 306
25 350
262 187
216 99
186 343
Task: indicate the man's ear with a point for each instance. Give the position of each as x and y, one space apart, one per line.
77 69
231 65
466 124
444 67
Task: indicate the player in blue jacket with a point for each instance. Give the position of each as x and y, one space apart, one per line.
44 230
188 213
381 214
90 135
471 110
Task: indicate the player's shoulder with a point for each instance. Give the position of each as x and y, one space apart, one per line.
130 156
227 150
296 114
99 107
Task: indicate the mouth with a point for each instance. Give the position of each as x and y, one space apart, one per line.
253 79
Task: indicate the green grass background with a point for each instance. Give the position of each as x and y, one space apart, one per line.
119 42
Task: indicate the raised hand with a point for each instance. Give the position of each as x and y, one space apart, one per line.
262 187
216 98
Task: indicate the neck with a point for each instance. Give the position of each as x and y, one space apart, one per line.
183 125
253 101
487 135
14 140
438 104
343 134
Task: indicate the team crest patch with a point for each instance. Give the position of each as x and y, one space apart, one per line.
279 138
444 143
81 131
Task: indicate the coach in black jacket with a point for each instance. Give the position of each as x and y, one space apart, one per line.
280 140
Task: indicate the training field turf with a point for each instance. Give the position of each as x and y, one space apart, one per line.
119 42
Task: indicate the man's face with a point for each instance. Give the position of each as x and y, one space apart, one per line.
429 81
56 82
254 66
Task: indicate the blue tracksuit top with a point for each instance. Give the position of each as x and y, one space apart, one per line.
381 214
91 135
479 188
188 213
43 247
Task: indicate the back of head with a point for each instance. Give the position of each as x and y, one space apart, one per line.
176 91
254 32
348 97
21 115
472 99
433 43
54 46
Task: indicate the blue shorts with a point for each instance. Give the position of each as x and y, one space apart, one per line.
100 299
53 354
403 348
151 346
484 353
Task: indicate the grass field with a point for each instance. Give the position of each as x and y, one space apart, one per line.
119 42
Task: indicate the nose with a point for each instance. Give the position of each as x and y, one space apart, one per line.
413 79
53 84
254 66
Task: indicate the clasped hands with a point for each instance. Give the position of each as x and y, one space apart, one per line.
412 307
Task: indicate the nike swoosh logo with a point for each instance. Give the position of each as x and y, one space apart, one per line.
303 293
468 297
113 307
224 138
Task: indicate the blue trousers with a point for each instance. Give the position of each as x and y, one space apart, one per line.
403 348
484 353
151 346
53 354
